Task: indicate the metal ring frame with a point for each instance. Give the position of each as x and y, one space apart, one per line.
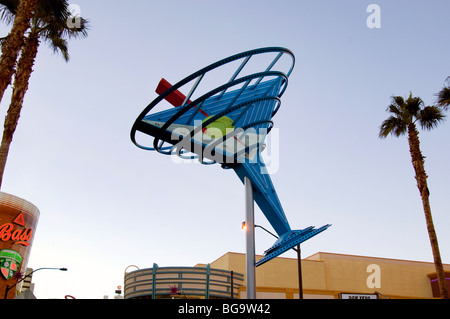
169 150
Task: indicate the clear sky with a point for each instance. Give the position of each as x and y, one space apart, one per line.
105 204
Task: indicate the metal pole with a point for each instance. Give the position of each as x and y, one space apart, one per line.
208 277
300 281
250 240
232 285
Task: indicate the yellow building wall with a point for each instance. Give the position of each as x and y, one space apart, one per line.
398 278
283 272
326 275
278 279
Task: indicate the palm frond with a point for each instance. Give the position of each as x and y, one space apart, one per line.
52 9
407 112
413 105
430 117
398 101
443 98
8 10
52 23
399 107
79 30
392 125
59 45
394 109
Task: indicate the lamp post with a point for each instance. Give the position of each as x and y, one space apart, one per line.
299 260
250 240
8 288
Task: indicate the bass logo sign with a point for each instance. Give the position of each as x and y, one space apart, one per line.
10 261
19 235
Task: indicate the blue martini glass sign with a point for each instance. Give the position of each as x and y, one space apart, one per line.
227 124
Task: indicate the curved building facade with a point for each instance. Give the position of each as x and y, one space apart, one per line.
18 222
182 282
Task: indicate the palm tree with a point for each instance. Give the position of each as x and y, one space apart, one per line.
443 99
48 24
404 116
14 41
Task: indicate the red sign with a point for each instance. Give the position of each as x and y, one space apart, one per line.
20 235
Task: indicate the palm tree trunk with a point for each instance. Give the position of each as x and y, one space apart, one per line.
14 41
421 177
24 70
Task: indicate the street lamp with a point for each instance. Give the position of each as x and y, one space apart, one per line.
299 260
8 288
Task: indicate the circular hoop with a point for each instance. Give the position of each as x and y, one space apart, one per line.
169 150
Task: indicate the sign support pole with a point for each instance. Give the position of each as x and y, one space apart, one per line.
250 240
